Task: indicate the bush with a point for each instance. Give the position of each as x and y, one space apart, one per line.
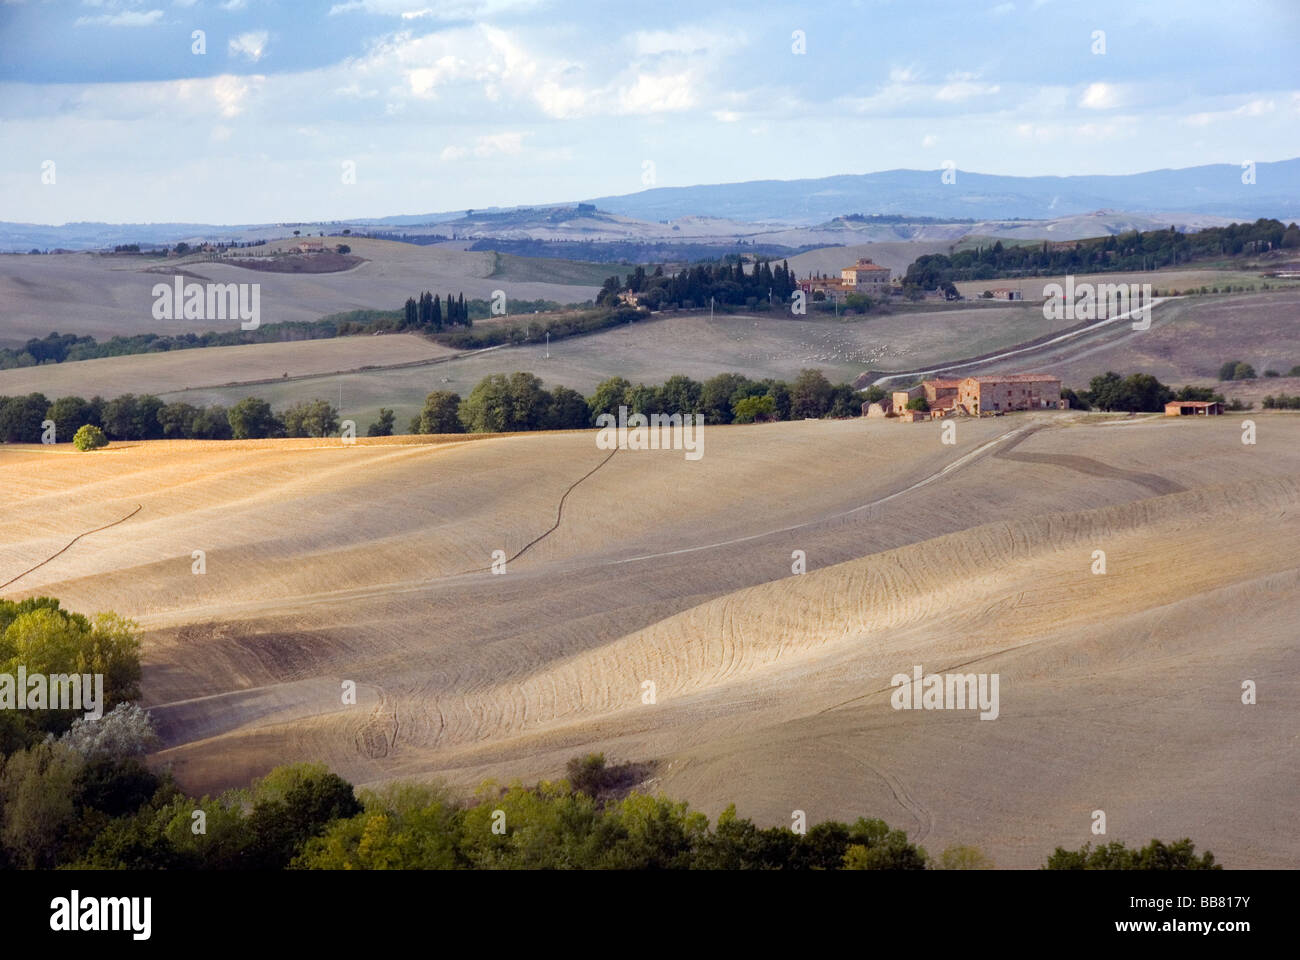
1115 856
89 437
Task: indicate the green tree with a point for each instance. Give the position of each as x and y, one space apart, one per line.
37 789
89 437
755 409
568 410
252 419
383 427
69 414
311 418
609 395
962 857
918 403
810 395
1116 856
21 418
680 394
716 395
440 414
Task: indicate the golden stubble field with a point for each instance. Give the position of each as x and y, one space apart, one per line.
372 563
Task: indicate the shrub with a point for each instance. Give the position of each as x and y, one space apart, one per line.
89 437
1115 856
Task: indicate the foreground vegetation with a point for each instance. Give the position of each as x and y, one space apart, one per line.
77 792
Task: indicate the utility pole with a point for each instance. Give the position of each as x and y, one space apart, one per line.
548 344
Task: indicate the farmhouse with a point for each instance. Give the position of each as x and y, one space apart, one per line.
1006 293
820 284
311 246
1010 391
1193 408
864 275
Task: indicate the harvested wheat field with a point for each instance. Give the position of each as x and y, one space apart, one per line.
372 563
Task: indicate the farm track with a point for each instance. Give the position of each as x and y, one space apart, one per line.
138 508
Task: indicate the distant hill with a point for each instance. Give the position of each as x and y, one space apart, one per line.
1214 189
778 215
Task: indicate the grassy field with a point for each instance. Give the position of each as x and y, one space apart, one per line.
370 563
85 293
649 352
1183 280
1188 341
183 370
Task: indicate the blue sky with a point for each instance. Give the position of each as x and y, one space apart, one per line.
475 103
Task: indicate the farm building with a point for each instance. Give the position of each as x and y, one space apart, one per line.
864 273
1193 408
1010 391
901 398
882 408
1006 293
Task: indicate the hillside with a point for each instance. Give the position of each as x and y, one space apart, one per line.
771 688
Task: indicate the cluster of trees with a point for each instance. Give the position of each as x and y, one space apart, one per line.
519 401
146 417
1236 370
427 313
725 282
1156 855
1240 370
1281 402
1133 250
1136 393
39 634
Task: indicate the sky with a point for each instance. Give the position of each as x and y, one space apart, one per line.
117 111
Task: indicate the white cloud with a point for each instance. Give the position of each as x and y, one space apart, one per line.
445 10
1100 96
491 145
127 18
658 94
929 140
1256 108
962 87
249 45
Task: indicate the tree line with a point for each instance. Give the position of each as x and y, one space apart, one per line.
1139 393
1133 250
520 401
427 314
724 282
146 417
